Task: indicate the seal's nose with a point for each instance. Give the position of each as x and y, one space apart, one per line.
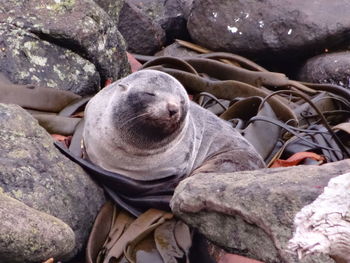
173 109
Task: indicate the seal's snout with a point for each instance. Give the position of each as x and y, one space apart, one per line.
173 109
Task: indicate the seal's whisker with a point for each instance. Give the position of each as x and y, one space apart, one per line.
133 118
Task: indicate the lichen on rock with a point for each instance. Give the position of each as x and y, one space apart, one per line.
26 59
64 32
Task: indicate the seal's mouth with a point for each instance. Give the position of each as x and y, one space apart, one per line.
161 127
157 126
154 129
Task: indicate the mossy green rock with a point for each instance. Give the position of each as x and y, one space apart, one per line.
34 172
78 38
27 235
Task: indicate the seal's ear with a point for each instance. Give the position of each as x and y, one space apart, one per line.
123 87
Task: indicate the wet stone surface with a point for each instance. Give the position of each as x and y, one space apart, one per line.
331 68
264 29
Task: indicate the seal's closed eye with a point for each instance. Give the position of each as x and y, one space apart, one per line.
123 87
150 93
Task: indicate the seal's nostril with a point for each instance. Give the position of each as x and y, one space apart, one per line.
172 109
172 112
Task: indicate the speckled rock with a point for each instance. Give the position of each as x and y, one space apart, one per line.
27 235
328 68
34 172
272 29
252 212
149 25
69 28
112 7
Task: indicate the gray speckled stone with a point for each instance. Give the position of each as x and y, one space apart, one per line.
27 235
270 29
331 68
252 212
80 26
34 172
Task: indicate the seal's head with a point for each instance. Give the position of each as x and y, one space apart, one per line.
149 109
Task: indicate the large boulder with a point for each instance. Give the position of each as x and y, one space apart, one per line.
252 212
149 25
72 45
331 68
34 172
270 29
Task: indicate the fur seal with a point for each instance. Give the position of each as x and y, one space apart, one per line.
145 127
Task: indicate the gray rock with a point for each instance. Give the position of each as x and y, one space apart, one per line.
27 235
265 29
112 8
252 212
73 26
34 172
174 20
142 35
149 25
331 68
